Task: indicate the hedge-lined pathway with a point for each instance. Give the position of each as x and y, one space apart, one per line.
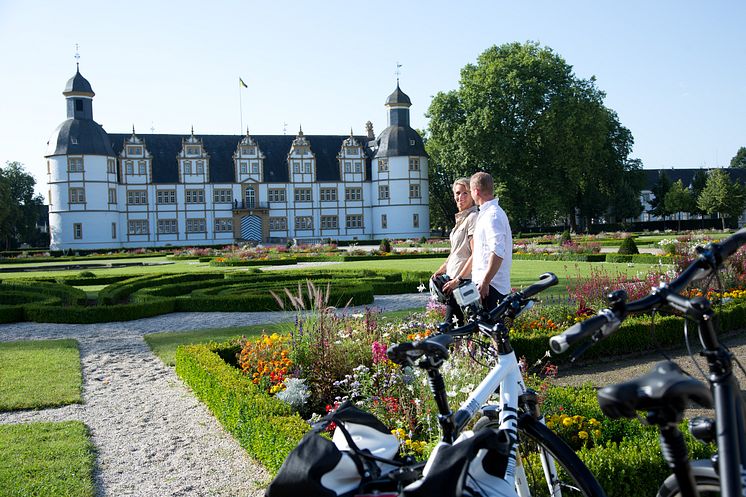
152 436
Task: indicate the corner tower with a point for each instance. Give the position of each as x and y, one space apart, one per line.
82 176
400 175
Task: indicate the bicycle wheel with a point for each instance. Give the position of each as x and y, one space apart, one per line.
705 477
537 444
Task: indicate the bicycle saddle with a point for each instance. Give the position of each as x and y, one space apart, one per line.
665 387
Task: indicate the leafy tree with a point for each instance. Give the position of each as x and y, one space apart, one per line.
679 199
521 115
19 210
739 160
698 184
722 196
660 189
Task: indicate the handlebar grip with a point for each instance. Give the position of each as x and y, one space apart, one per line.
545 281
399 352
727 247
578 331
461 331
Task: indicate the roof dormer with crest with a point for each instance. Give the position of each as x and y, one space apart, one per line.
301 160
248 160
194 162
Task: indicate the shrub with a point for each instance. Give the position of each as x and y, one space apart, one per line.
628 246
565 237
385 246
86 274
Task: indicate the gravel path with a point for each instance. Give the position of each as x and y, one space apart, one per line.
152 436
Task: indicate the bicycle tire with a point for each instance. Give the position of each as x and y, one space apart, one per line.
705 478
575 479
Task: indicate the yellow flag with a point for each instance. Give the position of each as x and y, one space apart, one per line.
242 83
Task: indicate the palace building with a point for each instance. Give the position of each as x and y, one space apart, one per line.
130 190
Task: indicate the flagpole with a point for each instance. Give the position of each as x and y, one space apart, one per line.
240 105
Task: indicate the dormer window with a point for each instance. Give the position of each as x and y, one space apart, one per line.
192 150
411 143
134 150
200 167
248 150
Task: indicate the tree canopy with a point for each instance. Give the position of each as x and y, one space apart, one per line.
551 145
722 196
18 206
679 199
739 160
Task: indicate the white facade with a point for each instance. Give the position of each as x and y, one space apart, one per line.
115 200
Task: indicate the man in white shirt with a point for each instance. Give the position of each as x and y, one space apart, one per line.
492 255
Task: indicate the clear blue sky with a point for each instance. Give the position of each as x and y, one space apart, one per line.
674 71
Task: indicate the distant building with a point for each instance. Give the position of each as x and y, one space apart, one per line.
149 190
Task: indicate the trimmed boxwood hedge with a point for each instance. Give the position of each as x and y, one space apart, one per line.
640 258
263 425
561 257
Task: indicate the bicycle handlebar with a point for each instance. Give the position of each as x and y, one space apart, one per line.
608 321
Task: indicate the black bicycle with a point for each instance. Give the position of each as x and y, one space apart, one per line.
667 391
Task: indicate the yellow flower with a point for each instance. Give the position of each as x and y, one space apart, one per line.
583 435
550 425
597 433
567 422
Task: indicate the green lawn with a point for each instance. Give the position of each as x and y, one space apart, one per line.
164 344
46 460
39 373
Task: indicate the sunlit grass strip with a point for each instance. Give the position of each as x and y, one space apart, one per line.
39 373
46 459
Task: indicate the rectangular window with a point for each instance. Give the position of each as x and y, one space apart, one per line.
111 166
383 192
296 167
303 195
384 222
303 223
328 194
307 167
329 222
244 167
77 195
49 168
49 197
113 231
195 225
112 195
383 165
137 227
187 167
200 167
354 221
192 151
358 166
134 150
222 195
195 196
414 191
166 196
129 167
348 166
254 167
75 164
353 194
414 163
416 220
223 224
167 226
78 231
137 197
278 223
276 195
141 168
247 151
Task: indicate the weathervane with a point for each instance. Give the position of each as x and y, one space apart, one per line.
397 72
77 57
284 128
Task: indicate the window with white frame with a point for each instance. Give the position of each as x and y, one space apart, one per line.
348 166
354 221
307 166
414 163
223 224
167 226
383 165
328 194
196 196
196 225
77 195
187 167
78 231
137 197
303 195
137 226
111 166
329 222
415 220
384 222
165 196
248 151
383 192
303 223
358 166
222 195
112 195
414 190
129 167
278 223
296 167
200 167
75 164
254 167
244 167
354 193
276 195
192 150
141 168
134 150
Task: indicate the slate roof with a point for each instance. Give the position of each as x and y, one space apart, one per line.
79 136
221 148
78 84
687 175
398 97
